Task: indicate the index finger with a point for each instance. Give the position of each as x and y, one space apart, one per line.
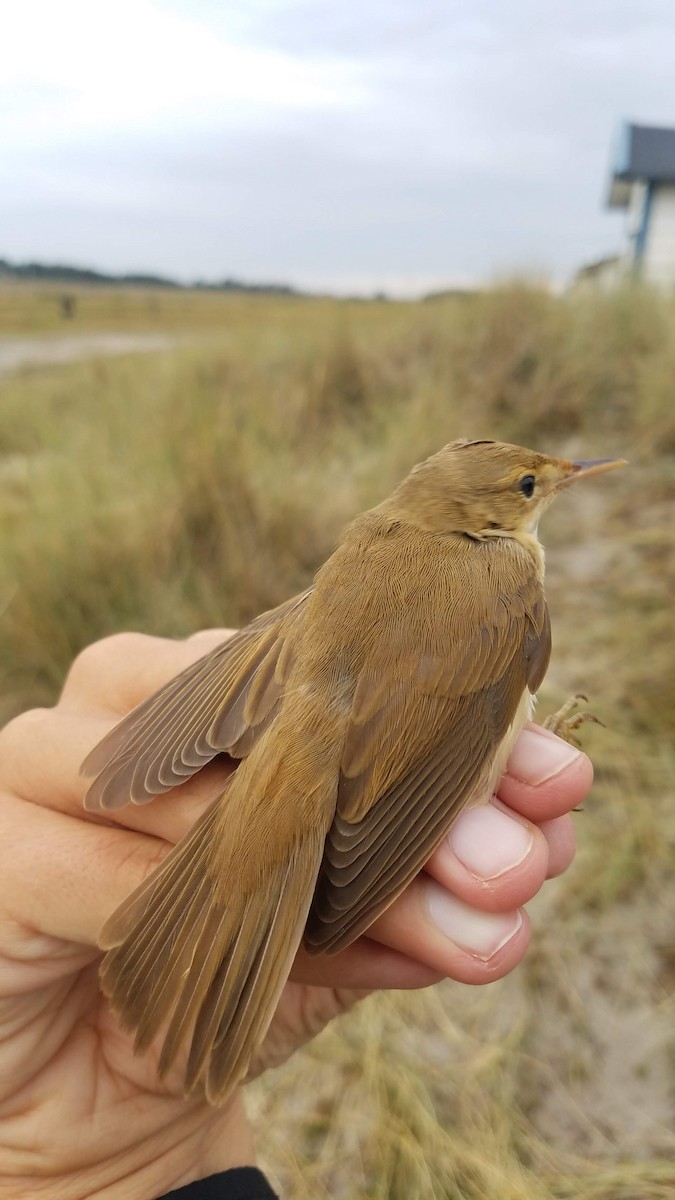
115 674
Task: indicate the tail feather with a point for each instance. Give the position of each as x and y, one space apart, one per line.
146 943
161 882
218 930
221 1001
201 969
153 985
235 1043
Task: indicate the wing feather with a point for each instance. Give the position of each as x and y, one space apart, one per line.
219 704
395 806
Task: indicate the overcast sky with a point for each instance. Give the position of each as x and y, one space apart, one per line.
347 144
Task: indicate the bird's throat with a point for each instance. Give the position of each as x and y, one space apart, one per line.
530 542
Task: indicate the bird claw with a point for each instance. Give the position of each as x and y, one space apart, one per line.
565 722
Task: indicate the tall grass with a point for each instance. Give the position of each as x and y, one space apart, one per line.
202 484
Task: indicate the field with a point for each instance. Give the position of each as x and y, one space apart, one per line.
201 482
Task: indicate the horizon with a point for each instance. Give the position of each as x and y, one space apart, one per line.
30 271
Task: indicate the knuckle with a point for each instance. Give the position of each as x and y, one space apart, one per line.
100 655
208 638
23 731
141 858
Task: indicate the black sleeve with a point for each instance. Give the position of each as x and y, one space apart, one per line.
242 1183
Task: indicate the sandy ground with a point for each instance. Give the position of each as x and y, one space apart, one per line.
16 353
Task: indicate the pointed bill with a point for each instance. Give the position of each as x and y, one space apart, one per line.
584 467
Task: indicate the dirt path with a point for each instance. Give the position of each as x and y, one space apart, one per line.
16 353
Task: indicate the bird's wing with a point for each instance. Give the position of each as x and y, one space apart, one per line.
221 703
416 751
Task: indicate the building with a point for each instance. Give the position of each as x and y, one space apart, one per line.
643 184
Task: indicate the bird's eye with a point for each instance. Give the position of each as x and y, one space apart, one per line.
526 486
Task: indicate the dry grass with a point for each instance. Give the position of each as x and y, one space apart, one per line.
199 485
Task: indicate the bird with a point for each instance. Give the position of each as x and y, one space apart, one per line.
366 713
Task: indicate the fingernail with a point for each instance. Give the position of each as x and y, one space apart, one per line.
537 757
488 842
481 934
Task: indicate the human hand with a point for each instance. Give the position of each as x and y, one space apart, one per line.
82 1114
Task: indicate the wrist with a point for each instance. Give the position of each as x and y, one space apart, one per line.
227 1143
203 1142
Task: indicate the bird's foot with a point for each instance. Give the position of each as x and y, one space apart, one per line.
565 722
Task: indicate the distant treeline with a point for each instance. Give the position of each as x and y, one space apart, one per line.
59 273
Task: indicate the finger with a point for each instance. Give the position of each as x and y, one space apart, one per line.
118 672
492 859
64 877
42 752
562 843
496 860
366 964
431 925
545 776
559 833
427 934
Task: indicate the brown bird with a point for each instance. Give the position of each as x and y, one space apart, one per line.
367 712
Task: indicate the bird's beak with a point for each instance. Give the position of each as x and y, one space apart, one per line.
582 468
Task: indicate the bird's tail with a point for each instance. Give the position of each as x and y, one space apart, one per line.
187 961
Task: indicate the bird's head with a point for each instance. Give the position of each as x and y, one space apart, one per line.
487 489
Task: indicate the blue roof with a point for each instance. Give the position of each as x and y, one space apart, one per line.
644 152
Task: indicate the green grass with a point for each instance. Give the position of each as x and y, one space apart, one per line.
199 485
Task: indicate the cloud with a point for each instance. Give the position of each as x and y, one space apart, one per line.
75 68
299 139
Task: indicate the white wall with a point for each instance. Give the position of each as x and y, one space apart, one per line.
658 263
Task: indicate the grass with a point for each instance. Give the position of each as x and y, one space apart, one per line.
201 484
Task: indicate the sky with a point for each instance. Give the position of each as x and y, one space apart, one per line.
344 145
